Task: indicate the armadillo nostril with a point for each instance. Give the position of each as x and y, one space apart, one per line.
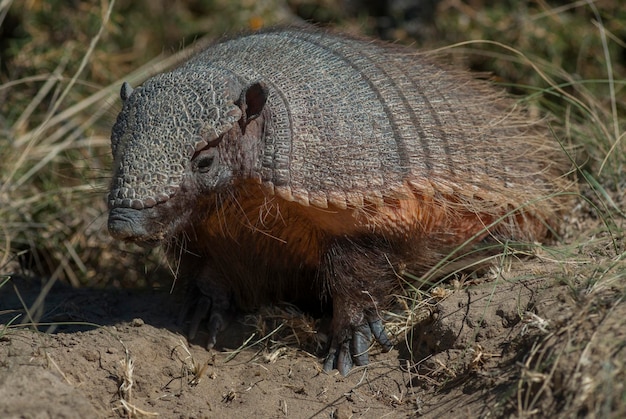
127 224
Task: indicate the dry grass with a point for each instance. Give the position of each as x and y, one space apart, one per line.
575 352
125 392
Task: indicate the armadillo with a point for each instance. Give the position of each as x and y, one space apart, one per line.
299 165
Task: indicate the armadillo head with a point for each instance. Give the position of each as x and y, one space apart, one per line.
167 142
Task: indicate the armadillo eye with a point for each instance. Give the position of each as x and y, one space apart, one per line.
205 163
205 160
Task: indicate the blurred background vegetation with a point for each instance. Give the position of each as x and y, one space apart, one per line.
62 63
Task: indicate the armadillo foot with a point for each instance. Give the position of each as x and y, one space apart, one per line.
212 308
350 346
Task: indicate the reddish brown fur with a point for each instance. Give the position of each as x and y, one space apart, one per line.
263 241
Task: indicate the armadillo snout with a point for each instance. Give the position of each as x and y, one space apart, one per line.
130 225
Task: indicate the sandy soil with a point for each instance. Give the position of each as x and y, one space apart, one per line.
467 358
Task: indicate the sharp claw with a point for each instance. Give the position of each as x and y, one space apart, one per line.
202 309
380 335
361 338
351 347
339 356
344 358
330 363
215 325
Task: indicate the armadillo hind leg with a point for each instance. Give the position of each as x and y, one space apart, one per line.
360 278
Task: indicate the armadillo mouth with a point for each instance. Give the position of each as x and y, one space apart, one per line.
130 225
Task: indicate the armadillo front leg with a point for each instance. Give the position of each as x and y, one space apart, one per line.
207 301
360 279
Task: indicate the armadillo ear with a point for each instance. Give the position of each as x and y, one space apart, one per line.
125 91
252 100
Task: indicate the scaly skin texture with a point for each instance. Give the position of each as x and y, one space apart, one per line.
291 164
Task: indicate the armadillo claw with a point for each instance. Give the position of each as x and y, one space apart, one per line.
203 306
216 324
380 335
339 357
351 347
361 338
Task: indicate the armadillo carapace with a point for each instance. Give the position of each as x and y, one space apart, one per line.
296 165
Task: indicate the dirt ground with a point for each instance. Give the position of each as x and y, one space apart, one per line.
482 350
